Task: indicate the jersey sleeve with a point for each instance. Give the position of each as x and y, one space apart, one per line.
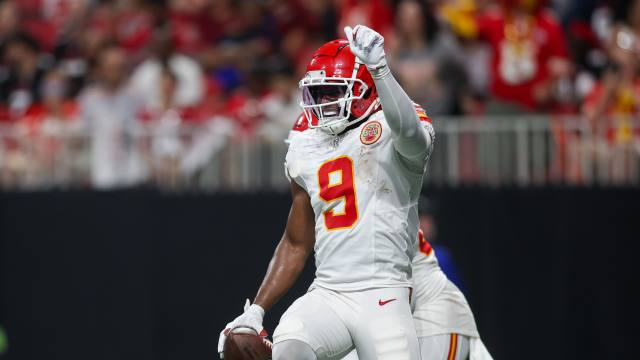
427 126
292 167
291 163
404 123
299 126
422 115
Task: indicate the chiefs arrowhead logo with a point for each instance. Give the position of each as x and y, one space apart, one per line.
371 132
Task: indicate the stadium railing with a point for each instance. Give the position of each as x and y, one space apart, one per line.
491 151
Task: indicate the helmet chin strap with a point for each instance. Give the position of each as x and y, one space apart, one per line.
338 129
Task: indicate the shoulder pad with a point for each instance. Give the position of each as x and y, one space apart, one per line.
301 124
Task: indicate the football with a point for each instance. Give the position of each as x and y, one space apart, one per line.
245 344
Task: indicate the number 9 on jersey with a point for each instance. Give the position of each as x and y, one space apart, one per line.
336 182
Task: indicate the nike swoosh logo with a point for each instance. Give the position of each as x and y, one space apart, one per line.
382 303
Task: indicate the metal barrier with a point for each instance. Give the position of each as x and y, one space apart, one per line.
530 150
522 151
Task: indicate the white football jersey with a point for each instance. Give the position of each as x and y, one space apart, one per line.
428 278
365 202
438 306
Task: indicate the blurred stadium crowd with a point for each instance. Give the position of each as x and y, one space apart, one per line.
112 68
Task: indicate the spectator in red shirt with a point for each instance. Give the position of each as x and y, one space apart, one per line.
55 108
529 55
245 105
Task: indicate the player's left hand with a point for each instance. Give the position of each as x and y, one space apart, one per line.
251 319
367 45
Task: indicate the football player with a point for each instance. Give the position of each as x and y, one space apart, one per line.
444 322
356 174
445 325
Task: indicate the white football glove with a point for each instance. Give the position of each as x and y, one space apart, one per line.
367 45
251 319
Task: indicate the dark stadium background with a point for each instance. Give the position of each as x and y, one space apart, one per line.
144 275
149 255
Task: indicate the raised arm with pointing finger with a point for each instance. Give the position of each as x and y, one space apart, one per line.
409 138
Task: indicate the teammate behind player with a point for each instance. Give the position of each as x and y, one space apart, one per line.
444 322
356 175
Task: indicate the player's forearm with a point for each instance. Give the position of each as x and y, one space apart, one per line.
284 269
409 139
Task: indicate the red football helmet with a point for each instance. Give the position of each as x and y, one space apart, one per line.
336 89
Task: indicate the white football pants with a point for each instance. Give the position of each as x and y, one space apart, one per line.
437 347
376 322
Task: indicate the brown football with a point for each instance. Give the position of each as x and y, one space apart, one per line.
246 345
